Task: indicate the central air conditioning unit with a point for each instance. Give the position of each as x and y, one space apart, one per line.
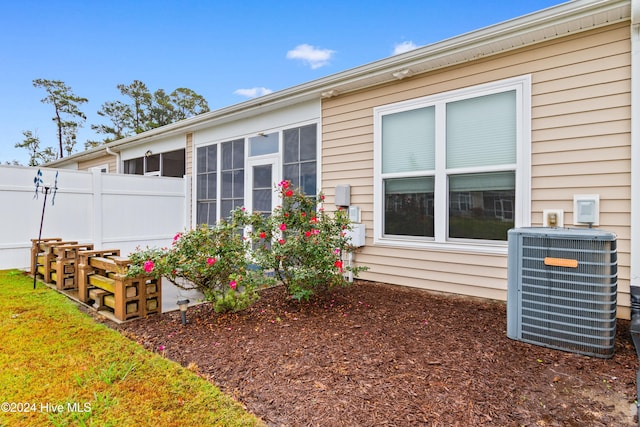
562 289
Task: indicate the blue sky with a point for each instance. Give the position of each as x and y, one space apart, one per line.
225 51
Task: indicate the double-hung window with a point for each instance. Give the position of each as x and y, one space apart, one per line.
453 168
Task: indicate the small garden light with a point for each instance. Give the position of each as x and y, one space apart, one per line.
183 304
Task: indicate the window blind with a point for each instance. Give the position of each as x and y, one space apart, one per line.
409 185
408 141
481 131
495 181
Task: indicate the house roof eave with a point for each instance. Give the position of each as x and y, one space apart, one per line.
558 21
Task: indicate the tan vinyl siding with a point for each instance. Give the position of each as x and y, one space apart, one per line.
188 154
104 160
580 133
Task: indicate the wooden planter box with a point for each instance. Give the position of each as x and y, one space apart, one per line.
64 269
54 260
43 256
103 282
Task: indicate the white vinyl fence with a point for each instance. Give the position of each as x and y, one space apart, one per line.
112 211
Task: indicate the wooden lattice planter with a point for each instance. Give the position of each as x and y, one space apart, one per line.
64 269
37 251
43 256
103 282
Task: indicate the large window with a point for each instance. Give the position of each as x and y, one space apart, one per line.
232 176
446 165
134 166
299 162
245 171
171 163
207 184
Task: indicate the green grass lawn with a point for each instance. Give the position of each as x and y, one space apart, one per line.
60 368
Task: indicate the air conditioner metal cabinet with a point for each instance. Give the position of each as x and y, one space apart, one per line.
562 289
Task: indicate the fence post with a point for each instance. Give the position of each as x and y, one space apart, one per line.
188 205
97 227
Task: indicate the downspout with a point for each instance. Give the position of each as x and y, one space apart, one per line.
113 153
635 184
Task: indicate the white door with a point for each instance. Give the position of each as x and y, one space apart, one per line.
263 174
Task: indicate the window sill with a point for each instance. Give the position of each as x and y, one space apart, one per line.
484 247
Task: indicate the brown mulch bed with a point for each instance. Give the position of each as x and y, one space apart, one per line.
381 355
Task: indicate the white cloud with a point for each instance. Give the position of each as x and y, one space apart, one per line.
404 47
311 55
253 92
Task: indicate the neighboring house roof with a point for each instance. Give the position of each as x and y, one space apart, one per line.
558 21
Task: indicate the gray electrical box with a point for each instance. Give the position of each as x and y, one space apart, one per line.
343 195
586 209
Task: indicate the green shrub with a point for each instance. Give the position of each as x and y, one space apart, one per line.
299 244
302 244
213 260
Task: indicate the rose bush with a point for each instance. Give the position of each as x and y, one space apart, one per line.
214 260
302 244
299 245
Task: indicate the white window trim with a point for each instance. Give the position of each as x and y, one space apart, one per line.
522 86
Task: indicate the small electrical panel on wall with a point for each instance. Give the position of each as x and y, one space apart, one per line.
553 218
586 209
343 195
354 214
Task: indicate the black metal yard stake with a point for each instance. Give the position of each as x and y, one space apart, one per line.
38 182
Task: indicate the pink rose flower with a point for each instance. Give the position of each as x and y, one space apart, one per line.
148 266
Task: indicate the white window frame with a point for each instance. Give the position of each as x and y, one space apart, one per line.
522 168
